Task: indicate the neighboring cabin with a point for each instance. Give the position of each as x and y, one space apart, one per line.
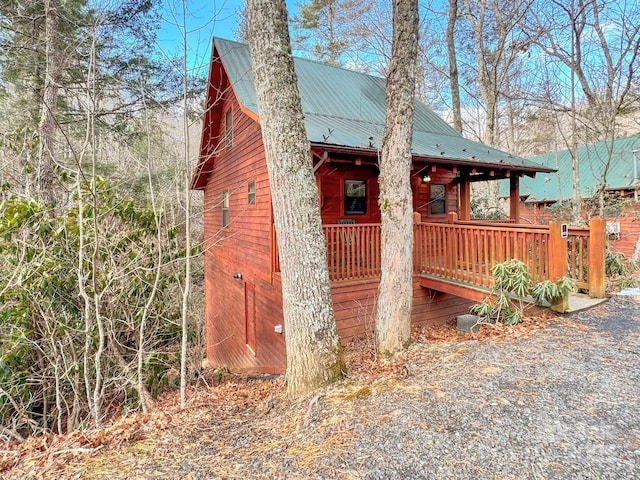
344 118
542 197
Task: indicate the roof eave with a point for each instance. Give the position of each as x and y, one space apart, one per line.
438 160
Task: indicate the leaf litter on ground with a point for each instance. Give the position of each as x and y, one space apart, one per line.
246 421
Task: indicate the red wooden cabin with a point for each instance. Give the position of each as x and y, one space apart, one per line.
344 117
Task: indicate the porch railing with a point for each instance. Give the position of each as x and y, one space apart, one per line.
353 251
466 252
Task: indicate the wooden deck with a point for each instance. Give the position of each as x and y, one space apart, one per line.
458 257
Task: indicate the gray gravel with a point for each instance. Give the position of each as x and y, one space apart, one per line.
562 404
558 402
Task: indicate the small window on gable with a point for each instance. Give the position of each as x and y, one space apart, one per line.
225 208
251 193
437 200
228 130
355 197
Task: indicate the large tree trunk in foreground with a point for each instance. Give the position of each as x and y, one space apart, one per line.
395 294
314 355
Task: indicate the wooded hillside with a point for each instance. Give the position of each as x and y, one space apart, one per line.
99 231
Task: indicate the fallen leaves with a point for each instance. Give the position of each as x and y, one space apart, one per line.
238 420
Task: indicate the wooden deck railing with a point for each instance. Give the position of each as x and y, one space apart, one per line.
466 252
585 251
577 255
353 251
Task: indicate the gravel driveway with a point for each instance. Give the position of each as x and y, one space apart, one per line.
563 404
557 401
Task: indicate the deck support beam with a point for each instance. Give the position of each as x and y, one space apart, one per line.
514 198
465 197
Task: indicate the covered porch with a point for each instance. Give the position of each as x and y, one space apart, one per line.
452 253
348 185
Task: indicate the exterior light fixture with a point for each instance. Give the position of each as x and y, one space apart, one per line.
426 178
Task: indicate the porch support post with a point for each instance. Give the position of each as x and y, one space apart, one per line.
596 257
558 257
514 198
465 197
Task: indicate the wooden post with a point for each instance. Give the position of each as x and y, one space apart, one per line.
514 198
417 218
596 257
465 198
452 217
559 253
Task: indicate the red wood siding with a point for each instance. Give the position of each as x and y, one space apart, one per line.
629 231
422 197
354 306
330 178
433 308
225 325
247 240
244 247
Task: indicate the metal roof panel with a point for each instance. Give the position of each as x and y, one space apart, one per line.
347 108
593 159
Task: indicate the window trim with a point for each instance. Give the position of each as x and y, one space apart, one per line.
225 208
438 200
364 185
228 129
251 192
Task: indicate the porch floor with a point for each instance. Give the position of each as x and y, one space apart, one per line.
581 301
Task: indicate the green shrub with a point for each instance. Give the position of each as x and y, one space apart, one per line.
615 264
512 282
481 210
59 275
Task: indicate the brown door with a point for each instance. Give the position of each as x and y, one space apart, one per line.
250 316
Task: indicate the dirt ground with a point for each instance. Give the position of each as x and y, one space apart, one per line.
388 419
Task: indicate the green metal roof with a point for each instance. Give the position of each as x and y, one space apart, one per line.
593 159
347 109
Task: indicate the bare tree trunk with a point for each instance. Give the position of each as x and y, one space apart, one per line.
395 294
453 65
575 158
511 115
81 272
186 291
314 354
145 397
47 127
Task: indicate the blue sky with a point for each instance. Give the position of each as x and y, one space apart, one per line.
204 19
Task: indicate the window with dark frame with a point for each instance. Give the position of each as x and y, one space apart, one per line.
355 197
251 193
228 129
437 200
225 208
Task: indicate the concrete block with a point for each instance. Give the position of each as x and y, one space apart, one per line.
467 323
